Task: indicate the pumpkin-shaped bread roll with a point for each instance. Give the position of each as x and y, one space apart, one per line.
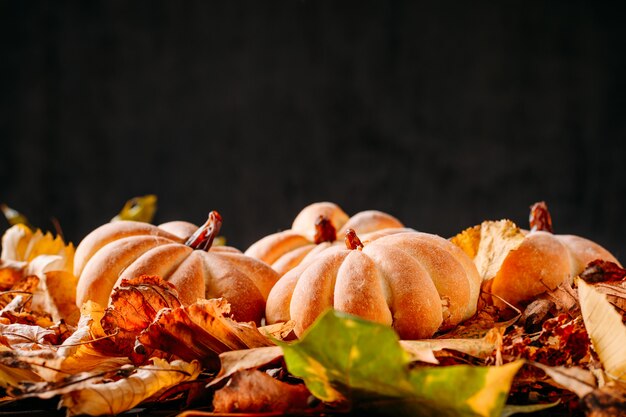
542 261
417 283
178 252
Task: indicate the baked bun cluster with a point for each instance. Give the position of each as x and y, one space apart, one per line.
315 228
368 265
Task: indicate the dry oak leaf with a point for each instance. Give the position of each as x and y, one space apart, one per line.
201 331
106 398
255 391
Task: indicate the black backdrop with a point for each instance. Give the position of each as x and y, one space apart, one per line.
442 114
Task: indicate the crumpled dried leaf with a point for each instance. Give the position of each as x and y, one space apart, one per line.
28 337
602 271
238 360
488 244
576 379
606 330
27 253
76 355
113 393
280 331
615 293
134 305
140 209
256 391
479 324
479 348
563 341
201 331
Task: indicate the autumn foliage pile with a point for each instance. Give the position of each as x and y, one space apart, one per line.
563 352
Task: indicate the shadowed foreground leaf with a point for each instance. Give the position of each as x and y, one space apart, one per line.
346 359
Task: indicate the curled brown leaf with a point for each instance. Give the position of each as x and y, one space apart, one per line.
256 391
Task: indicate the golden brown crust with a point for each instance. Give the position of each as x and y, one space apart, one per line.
110 232
583 251
539 264
304 223
222 272
414 303
264 276
413 281
104 268
369 221
272 247
222 280
542 262
189 278
314 291
179 228
279 298
446 272
292 258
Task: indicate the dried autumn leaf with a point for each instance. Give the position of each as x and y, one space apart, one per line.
134 305
61 288
76 355
488 244
28 253
99 394
13 372
479 348
201 331
280 331
603 271
238 360
140 209
27 337
10 273
576 379
615 292
606 330
21 244
13 216
255 391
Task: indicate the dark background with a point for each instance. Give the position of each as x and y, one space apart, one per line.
442 114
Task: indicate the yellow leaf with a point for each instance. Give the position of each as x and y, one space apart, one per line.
140 209
19 243
13 216
108 398
606 330
488 244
